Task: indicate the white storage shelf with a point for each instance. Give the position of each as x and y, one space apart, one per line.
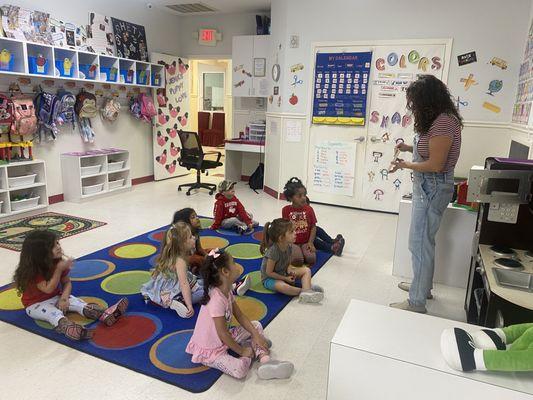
22 188
40 60
81 181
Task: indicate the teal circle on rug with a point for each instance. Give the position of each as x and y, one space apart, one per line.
244 251
257 284
125 283
206 222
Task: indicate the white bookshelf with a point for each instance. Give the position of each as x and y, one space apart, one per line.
22 51
81 171
11 192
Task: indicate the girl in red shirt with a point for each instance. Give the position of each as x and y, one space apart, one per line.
42 279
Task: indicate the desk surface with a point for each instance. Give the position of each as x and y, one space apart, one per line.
252 147
412 338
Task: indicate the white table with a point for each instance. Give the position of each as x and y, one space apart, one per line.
241 160
453 245
383 353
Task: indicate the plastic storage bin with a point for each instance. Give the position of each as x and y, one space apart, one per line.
17 205
7 60
89 70
38 65
142 77
115 166
91 170
65 67
116 184
24 180
91 189
127 75
108 74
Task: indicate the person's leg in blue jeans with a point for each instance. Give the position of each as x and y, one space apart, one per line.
326 243
322 235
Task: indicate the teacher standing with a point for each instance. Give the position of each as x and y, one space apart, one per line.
436 148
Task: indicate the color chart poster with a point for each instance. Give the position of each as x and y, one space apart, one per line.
341 88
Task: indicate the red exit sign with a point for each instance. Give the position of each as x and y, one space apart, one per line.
207 37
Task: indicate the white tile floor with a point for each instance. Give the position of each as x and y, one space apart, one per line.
32 367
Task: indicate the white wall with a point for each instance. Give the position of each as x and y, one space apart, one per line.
228 24
127 133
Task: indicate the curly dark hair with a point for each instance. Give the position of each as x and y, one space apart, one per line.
427 98
36 258
292 186
210 272
184 215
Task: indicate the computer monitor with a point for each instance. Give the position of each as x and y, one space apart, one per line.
518 151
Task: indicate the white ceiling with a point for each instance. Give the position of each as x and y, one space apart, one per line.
223 6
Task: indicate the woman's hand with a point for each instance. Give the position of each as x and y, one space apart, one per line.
404 147
398 164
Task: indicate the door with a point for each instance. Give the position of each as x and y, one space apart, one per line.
172 104
242 59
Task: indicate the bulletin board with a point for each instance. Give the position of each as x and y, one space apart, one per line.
130 40
340 88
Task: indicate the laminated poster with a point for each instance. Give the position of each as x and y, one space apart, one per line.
24 24
100 37
334 167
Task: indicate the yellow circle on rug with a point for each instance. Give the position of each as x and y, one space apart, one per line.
240 267
10 300
245 251
125 283
133 250
254 309
75 317
213 242
206 222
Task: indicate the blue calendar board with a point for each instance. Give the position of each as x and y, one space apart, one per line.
341 88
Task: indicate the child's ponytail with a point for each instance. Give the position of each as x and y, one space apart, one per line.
210 271
265 242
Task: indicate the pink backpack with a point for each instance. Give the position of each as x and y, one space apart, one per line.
25 122
148 110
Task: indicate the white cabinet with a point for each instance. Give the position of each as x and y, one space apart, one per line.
22 188
250 59
92 174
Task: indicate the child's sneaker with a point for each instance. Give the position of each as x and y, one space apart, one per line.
338 246
178 305
310 296
275 370
76 332
113 313
241 230
316 288
242 286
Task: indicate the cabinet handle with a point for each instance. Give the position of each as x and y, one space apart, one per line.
375 139
360 139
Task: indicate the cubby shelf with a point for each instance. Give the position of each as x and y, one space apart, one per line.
49 62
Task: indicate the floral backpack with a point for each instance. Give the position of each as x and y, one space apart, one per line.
111 109
6 114
24 118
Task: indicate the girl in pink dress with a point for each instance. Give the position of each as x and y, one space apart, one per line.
213 335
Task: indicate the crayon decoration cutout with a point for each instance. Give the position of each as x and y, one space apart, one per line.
491 107
377 194
495 86
469 81
397 183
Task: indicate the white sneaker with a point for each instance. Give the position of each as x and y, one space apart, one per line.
405 305
406 286
180 308
275 370
309 296
316 288
242 287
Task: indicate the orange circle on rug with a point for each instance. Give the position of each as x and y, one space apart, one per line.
10 300
258 236
132 250
253 308
213 242
132 330
75 317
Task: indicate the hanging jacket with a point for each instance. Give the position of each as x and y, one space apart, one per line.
228 208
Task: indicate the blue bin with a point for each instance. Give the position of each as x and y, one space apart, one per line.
88 74
127 79
9 66
60 65
110 72
142 78
36 69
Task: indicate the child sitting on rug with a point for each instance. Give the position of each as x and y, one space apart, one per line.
229 212
172 285
213 337
189 216
42 277
276 273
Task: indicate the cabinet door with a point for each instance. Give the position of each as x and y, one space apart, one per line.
242 58
260 58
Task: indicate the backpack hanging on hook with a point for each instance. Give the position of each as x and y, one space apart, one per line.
111 109
86 108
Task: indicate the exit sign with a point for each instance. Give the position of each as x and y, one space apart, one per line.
208 37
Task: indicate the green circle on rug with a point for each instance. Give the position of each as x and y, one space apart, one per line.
133 250
253 308
10 300
75 317
213 242
257 284
206 222
127 282
245 251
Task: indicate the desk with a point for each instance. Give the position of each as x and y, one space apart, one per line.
242 159
383 353
453 245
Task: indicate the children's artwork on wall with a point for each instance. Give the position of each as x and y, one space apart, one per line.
491 107
297 67
172 116
495 86
296 81
24 24
498 62
293 100
469 81
460 102
100 37
467 58
334 166
130 40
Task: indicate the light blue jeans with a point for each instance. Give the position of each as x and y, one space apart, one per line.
432 192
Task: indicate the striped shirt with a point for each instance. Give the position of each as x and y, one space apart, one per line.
444 125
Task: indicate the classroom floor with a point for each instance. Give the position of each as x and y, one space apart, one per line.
33 367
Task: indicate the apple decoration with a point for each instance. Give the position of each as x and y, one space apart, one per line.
293 99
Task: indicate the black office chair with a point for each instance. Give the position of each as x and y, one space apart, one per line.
192 156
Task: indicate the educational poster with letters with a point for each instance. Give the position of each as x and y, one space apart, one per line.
524 96
130 40
172 105
341 87
334 167
393 69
